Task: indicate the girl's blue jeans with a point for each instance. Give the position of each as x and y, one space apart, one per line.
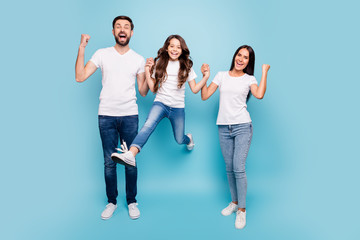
157 112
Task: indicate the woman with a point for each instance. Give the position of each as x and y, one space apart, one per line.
234 122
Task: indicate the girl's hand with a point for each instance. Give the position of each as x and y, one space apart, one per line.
205 69
149 63
265 67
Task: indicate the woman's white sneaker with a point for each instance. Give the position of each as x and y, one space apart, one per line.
240 220
134 212
108 212
231 208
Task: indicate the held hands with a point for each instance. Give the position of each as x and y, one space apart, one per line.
265 68
149 63
84 40
205 69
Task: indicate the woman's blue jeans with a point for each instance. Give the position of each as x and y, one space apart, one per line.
235 143
157 113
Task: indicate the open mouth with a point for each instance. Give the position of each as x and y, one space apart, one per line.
122 36
239 63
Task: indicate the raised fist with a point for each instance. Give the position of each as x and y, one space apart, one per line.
84 40
265 67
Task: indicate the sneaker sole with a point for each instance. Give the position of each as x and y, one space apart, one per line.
120 161
134 217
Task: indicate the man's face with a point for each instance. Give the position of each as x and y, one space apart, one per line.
122 32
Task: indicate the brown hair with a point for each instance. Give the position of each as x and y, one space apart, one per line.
123 18
162 60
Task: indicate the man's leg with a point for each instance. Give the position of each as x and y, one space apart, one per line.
128 131
109 138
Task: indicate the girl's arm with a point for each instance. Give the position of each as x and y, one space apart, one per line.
259 91
196 87
150 81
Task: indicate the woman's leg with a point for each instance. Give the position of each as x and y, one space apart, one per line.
177 119
243 136
158 111
227 149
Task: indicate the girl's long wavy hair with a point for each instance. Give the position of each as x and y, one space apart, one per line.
162 60
251 65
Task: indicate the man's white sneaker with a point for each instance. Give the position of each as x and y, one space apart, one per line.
126 158
229 209
191 144
108 212
240 220
134 212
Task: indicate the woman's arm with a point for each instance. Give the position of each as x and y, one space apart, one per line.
259 91
196 87
150 81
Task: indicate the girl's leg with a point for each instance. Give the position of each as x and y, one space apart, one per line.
177 119
227 149
243 136
157 112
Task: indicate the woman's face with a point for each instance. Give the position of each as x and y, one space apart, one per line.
241 59
174 49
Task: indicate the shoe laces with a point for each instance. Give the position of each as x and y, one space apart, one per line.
123 147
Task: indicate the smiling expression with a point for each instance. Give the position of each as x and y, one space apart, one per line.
241 60
174 49
122 32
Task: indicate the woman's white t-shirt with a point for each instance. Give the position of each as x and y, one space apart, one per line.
169 93
233 94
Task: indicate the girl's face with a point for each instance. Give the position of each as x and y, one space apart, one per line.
174 49
241 59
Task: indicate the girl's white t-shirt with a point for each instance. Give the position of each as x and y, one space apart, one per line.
169 93
233 93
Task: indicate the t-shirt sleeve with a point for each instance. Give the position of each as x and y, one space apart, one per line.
217 79
252 81
141 66
192 75
96 58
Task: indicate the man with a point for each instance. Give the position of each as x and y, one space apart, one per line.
118 111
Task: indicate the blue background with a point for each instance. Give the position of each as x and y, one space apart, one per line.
303 163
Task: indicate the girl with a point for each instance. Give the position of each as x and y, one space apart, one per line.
234 123
166 76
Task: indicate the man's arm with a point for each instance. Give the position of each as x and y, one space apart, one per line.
82 73
142 85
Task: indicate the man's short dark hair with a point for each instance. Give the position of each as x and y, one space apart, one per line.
125 18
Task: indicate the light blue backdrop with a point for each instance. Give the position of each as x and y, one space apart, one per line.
303 163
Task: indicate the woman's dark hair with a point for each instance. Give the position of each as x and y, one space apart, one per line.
124 18
162 60
251 65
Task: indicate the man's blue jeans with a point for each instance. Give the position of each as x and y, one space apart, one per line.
157 113
235 143
111 130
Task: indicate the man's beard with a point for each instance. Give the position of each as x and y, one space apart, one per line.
124 43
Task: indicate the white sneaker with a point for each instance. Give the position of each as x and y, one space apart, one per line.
229 209
126 158
191 144
240 220
134 212
108 212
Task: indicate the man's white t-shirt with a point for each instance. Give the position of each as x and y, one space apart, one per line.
169 93
118 94
233 93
